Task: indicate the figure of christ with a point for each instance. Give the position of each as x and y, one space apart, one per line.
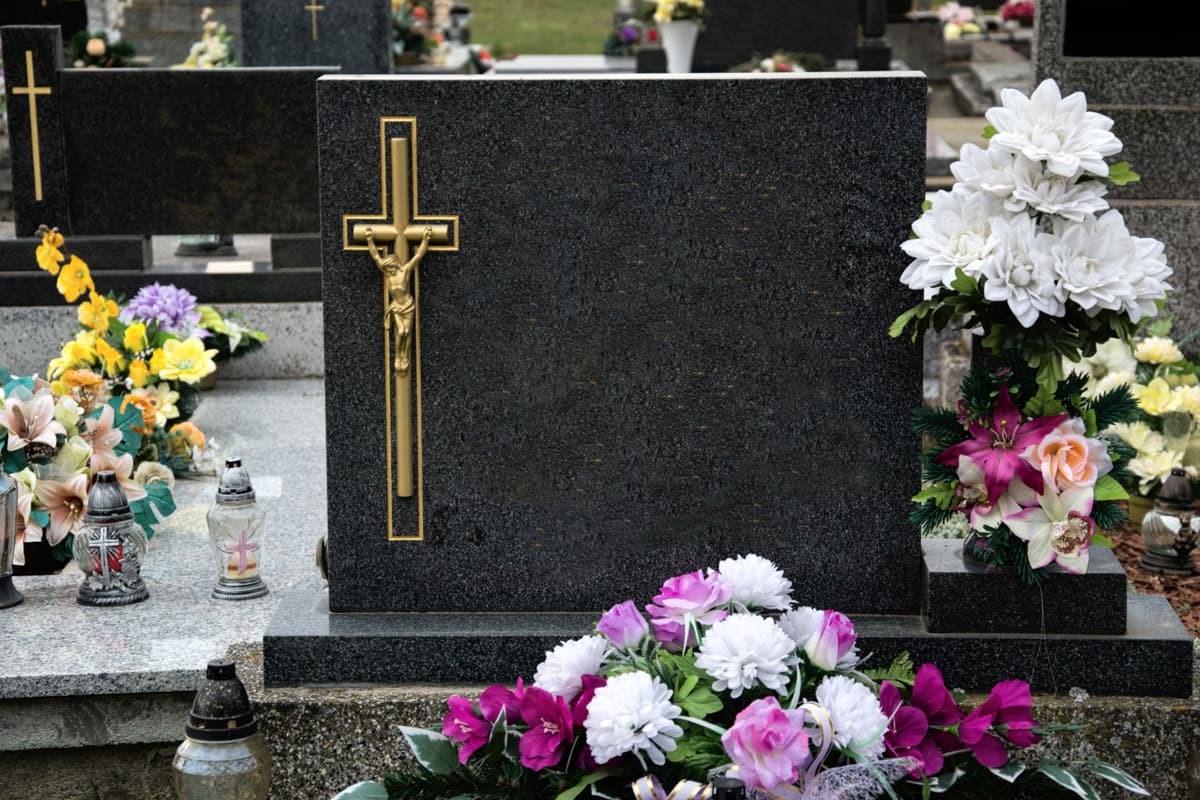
401 303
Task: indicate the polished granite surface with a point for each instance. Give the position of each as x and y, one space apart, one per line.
52 647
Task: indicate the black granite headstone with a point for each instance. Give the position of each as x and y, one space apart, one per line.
1090 30
737 30
355 35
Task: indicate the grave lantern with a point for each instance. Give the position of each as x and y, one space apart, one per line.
234 524
223 757
1171 527
9 596
109 548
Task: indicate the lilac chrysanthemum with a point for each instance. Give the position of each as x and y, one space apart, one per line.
174 309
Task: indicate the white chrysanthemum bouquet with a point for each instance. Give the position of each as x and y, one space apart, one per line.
1025 247
723 678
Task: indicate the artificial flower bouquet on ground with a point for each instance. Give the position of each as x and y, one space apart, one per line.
727 676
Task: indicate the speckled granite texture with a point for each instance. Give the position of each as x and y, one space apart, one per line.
356 36
662 342
1064 603
737 30
1177 223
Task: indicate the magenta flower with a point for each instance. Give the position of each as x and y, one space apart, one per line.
624 625
832 641
551 728
997 450
768 744
690 596
1006 714
499 698
462 725
909 733
579 715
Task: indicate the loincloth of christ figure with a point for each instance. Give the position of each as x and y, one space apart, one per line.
402 306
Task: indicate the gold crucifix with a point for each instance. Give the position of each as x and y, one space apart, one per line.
314 8
33 90
401 314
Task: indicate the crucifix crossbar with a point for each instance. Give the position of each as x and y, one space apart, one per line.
33 90
410 236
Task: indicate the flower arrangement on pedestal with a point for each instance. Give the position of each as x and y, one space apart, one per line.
415 40
660 11
214 48
1018 11
957 20
729 677
1026 252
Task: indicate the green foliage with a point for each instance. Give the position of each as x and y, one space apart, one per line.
940 423
1107 488
1114 406
1108 515
14 460
928 516
433 751
1120 174
158 504
900 672
989 131
941 495
934 472
367 790
1004 549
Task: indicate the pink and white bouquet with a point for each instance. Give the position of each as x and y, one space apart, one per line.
723 675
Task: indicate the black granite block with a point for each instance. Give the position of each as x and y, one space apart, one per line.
295 250
736 30
305 644
964 596
286 286
102 253
663 340
356 36
1162 144
33 57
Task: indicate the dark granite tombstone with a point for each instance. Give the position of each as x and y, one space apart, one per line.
355 35
736 30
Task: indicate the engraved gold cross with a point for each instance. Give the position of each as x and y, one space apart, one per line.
33 90
314 8
402 228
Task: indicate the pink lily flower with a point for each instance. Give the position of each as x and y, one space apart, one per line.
31 421
26 527
123 467
551 728
66 502
463 726
101 435
997 449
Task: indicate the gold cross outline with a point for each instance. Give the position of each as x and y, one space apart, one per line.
417 217
33 90
314 8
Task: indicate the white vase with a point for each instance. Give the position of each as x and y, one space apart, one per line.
679 40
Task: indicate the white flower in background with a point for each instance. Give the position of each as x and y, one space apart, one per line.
1111 366
1151 467
858 722
1047 193
1157 350
632 713
1139 436
801 623
988 171
1020 276
562 671
1087 259
744 650
1111 381
1057 130
757 582
1188 398
956 233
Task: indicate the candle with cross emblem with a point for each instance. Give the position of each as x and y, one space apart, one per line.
109 548
234 528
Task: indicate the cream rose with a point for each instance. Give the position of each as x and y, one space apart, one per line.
1068 459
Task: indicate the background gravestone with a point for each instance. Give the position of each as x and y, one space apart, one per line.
1148 80
736 30
355 35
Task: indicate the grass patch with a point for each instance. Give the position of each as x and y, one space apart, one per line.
542 26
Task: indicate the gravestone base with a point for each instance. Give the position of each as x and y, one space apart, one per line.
295 250
305 644
102 253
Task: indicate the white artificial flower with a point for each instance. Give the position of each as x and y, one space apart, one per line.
1059 131
1047 193
1139 436
744 650
562 671
632 713
1148 265
1089 259
1151 467
757 583
988 171
1019 275
955 233
858 722
1111 381
801 623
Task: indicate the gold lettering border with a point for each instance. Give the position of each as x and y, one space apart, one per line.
452 247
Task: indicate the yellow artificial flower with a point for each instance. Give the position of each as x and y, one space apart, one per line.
1139 436
162 400
1157 350
1155 398
189 433
143 404
1187 398
74 354
75 279
1111 381
49 258
135 337
139 373
158 362
187 361
96 311
113 358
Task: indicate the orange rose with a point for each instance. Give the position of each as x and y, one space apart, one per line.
1068 459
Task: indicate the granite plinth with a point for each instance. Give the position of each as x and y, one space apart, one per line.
737 30
998 602
305 644
565 65
356 36
295 251
282 286
103 253
639 360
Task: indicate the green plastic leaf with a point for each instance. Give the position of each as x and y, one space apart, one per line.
942 494
700 703
686 686
41 517
990 131
1121 174
1069 781
1100 540
1107 488
433 751
940 784
964 283
14 460
901 671
367 790
896 329
1009 772
124 421
588 780
18 383
157 505
1111 772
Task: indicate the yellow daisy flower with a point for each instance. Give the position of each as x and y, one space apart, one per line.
74 354
113 358
187 361
96 311
75 279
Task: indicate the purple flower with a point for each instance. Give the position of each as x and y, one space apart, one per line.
768 744
579 715
629 33
462 725
831 642
693 596
499 698
174 310
624 625
551 728
909 734
1006 714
